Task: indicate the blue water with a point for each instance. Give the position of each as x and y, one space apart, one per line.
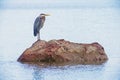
82 21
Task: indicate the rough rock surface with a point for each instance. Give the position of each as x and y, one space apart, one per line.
61 51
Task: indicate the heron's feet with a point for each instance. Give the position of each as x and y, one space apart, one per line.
39 40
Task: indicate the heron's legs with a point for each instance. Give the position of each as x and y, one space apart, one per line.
38 36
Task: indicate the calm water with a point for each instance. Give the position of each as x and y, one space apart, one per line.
84 21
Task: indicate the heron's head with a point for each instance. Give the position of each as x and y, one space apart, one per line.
43 15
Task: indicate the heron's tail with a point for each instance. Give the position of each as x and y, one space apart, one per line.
35 31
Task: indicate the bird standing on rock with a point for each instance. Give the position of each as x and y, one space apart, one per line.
38 24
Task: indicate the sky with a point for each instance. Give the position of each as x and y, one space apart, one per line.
62 3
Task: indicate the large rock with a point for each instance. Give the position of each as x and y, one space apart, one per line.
61 51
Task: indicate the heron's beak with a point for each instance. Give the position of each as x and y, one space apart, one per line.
47 14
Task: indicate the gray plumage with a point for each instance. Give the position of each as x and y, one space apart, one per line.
38 24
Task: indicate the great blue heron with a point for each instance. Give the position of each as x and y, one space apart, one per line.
38 24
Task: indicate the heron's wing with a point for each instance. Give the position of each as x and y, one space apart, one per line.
37 24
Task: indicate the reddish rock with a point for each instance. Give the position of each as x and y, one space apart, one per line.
61 51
